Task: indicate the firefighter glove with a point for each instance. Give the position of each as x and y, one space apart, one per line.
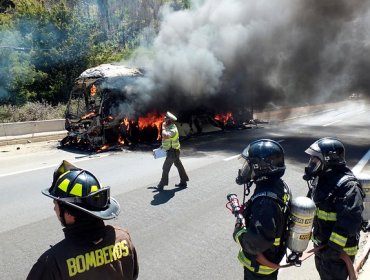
238 229
239 223
365 226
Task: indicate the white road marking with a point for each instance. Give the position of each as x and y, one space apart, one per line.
236 156
331 123
358 113
276 134
231 158
361 164
307 115
48 166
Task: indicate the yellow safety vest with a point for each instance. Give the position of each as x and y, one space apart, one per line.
172 142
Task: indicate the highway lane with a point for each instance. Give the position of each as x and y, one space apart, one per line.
179 234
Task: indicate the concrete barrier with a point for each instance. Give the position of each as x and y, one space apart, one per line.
32 127
33 131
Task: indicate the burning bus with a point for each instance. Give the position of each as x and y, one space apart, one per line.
99 114
95 117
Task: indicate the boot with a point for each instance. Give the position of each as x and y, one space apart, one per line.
160 187
181 185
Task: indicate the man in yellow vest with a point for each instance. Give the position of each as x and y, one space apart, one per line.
171 143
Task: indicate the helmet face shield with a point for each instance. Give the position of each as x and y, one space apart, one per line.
245 173
246 169
265 159
242 160
329 150
314 166
314 150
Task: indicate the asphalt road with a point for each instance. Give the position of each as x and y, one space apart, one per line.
178 233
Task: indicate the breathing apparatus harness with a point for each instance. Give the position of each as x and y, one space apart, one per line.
311 183
238 210
365 226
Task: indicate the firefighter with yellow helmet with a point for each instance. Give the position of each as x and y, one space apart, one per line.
90 249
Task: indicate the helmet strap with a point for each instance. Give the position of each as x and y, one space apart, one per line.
247 189
62 211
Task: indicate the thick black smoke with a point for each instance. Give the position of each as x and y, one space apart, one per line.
230 55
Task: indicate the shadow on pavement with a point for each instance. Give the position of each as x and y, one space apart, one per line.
163 196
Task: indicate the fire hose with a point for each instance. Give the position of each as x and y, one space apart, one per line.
234 206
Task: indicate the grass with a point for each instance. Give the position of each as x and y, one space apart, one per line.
35 111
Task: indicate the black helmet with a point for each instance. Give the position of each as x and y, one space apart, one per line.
329 150
325 153
81 190
262 158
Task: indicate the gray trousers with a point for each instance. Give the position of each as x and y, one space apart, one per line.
173 157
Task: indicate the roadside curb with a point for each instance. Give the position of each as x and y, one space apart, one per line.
30 138
361 260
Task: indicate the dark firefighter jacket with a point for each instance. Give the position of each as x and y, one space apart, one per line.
339 200
265 226
93 251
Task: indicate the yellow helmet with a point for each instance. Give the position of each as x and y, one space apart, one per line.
80 189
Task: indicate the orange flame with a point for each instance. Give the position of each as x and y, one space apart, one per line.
125 126
88 115
224 118
93 90
102 148
108 119
120 140
152 120
126 123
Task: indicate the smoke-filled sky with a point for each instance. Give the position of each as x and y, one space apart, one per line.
226 54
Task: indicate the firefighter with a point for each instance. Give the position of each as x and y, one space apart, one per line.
339 200
171 143
261 234
90 249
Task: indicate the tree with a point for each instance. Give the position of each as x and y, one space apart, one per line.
50 42
6 6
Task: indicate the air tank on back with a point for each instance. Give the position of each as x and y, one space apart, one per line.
302 213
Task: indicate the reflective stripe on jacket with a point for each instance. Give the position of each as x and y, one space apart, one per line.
93 252
265 223
338 198
336 238
256 268
170 137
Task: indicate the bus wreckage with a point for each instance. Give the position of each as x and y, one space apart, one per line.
98 117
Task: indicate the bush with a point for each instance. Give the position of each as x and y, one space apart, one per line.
36 111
